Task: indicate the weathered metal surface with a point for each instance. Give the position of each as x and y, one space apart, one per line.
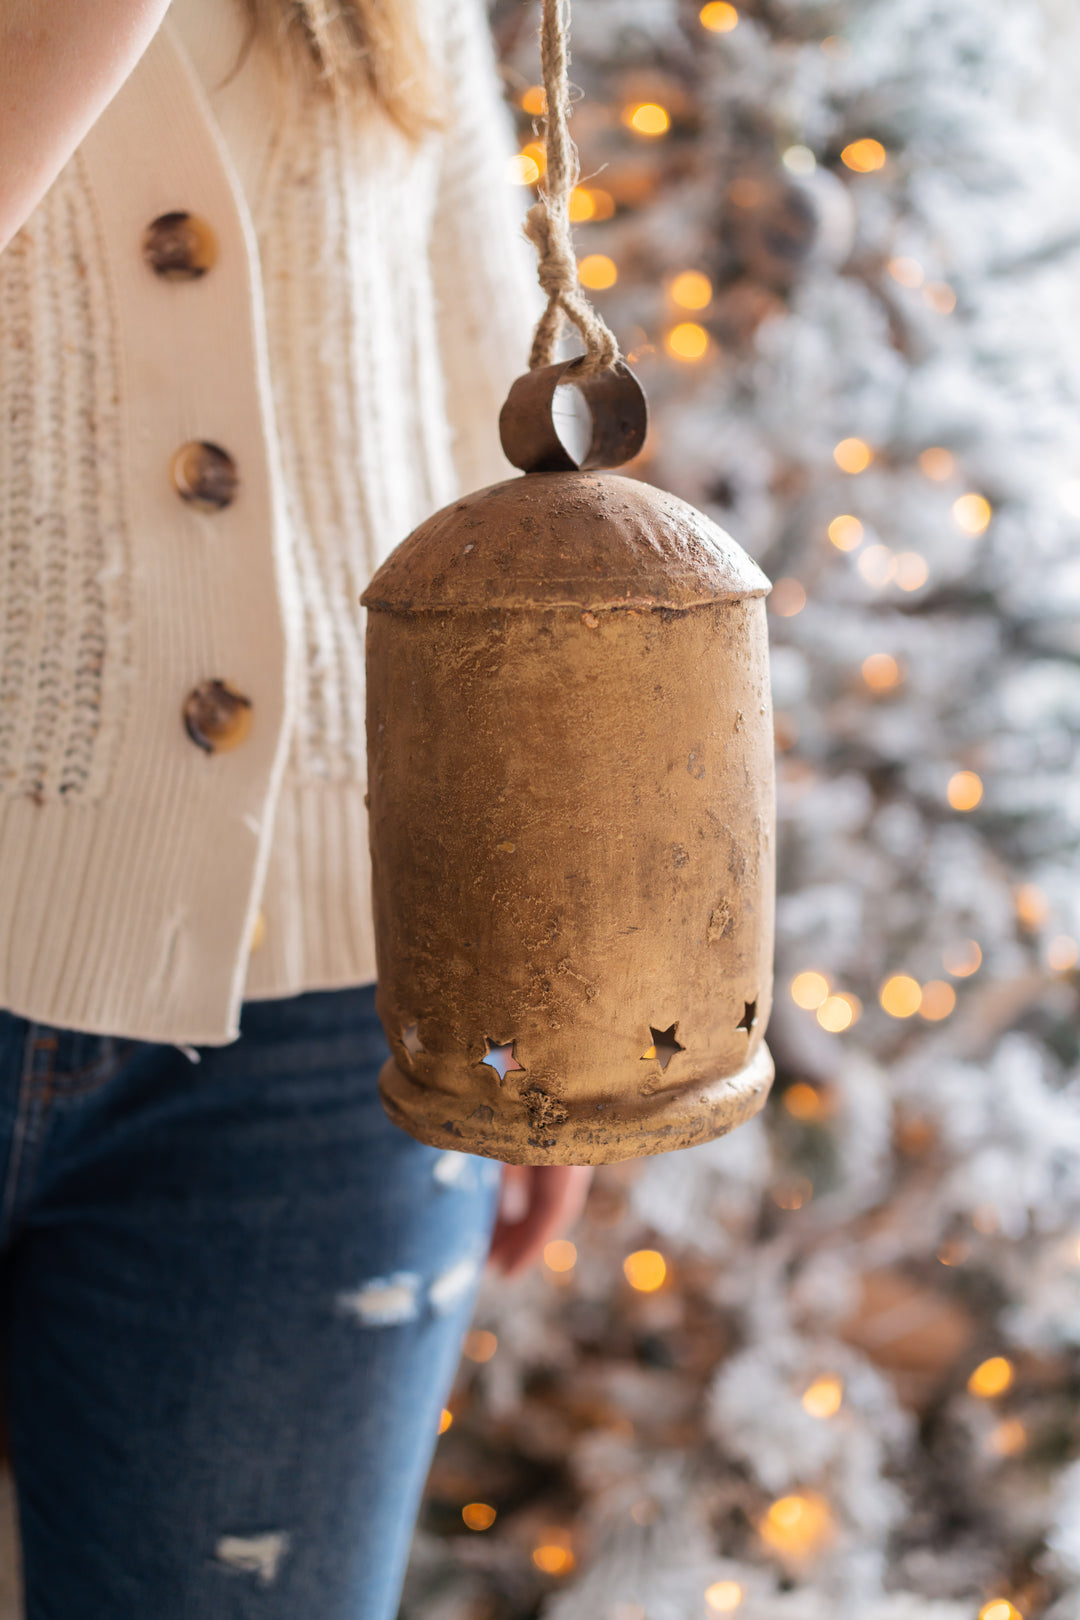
617 407
571 820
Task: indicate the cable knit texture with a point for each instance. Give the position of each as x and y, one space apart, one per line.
390 297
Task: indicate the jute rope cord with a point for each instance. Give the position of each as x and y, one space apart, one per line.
547 224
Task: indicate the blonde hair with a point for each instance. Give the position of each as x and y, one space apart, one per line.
357 50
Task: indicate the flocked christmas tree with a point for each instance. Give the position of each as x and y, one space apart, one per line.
827 1366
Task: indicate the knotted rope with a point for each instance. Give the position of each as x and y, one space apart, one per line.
547 224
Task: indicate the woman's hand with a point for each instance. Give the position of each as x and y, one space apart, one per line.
537 1202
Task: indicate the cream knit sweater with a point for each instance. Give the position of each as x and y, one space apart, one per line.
368 308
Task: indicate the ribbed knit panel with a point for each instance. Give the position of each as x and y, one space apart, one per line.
65 608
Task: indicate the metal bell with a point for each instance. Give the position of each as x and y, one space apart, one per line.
571 805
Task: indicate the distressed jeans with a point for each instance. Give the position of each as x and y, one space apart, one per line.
234 1297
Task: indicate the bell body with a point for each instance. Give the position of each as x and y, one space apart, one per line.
572 823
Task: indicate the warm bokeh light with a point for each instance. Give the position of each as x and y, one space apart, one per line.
972 512
965 790
792 1193
912 571
991 1377
937 463
1032 906
809 990
687 341
522 170
803 1101
480 1344
954 1252
900 996
596 271
881 672
877 565
796 1525
445 1420
940 296
846 532
823 1397
553 1558
938 1000
723 1597
864 156
718 17
645 1270
853 455
1008 1439
691 289
590 202
560 1254
648 118
908 272
534 100
1000 1609
837 1013
478 1515
962 959
787 598
1062 953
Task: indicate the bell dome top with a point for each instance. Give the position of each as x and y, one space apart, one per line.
565 539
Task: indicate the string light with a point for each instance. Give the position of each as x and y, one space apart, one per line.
645 1270
554 1556
1000 1609
900 996
723 1597
937 463
796 1525
522 170
597 272
787 598
940 296
962 959
718 17
864 156
938 1001
853 455
534 100
954 1253
877 565
1008 1439
445 1420
803 1101
560 1255
846 532
965 790
839 1012
478 1515
824 1397
972 513
799 160
908 272
480 1345
582 205
1062 953
687 341
881 672
809 990
911 570
647 118
991 1377
691 290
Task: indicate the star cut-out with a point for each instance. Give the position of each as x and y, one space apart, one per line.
749 1017
410 1040
500 1057
664 1045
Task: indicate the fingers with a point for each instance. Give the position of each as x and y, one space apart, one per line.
556 1197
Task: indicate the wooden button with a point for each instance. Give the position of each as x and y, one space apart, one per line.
216 717
205 475
179 247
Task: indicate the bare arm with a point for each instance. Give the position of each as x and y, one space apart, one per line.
61 63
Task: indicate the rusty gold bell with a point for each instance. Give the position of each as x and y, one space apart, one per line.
571 805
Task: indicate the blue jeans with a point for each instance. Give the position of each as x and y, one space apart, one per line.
234 1297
